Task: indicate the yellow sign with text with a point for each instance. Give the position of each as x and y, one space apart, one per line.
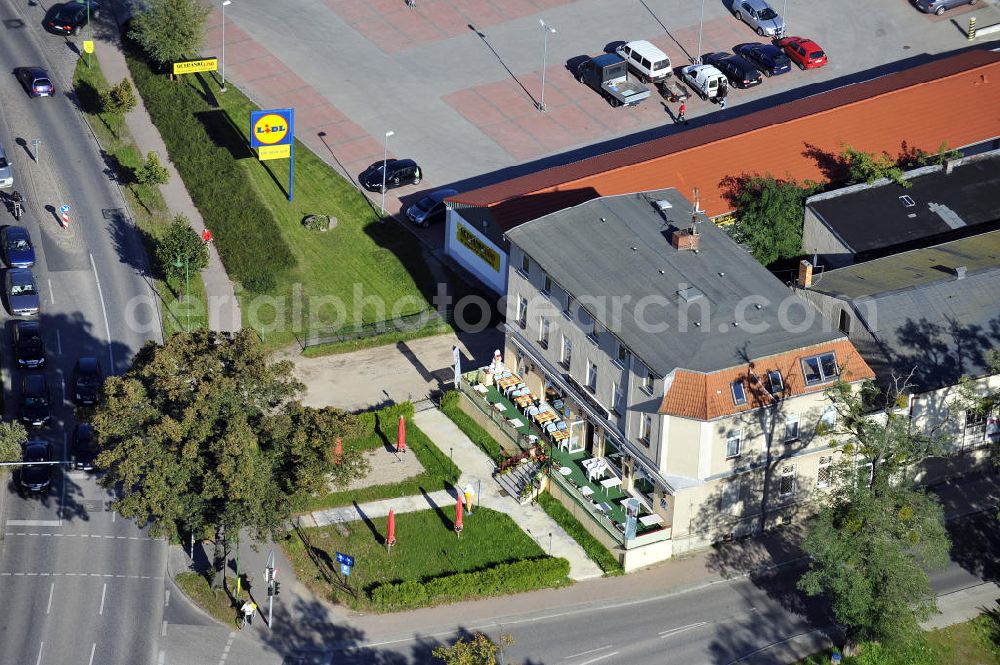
274 152
195 66
478 247
88 46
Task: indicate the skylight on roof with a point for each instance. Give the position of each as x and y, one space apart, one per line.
774 379
820 369
690 294
739 393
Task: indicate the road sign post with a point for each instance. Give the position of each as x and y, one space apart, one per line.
269 576
64 215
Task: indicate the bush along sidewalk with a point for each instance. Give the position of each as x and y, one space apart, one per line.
451 407
597 552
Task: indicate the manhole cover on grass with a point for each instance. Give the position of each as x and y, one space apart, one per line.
13 23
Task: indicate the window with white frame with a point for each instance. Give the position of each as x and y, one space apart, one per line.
525 264
792 427
591 376
786 481
730 503
645 426
622 355
774 382
739 392
616 397
647 379
522 311
828 420
734 443
547 287
974 431
543 332
568 312
823 474
820 369
566 354
865 471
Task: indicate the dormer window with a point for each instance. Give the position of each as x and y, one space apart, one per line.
739 393
775 385
820 369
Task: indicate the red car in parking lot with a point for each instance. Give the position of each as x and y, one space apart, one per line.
803 52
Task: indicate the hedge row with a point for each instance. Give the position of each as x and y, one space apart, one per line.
451 407
504 578
204 145
594 548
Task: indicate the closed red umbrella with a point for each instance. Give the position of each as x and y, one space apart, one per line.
338 451
458 517
391 538
401 436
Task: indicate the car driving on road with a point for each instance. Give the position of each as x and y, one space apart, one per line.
70 18
22 294
35 401
87 379
15 243
37 477
35 81
29 349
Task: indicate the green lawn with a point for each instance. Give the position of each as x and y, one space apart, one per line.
363 270
451 407
439 471
597 552
426 547
217 602
146 202
975 642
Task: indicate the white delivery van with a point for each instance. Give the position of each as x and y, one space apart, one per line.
645 60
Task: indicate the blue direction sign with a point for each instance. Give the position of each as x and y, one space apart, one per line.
344 559
64 208
345 570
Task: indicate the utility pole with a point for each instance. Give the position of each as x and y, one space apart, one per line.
272 586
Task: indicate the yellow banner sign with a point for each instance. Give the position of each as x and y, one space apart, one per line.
478 247
274 152
88 46
193 66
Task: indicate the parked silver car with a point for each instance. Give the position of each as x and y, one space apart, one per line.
6 174
759 16
938 6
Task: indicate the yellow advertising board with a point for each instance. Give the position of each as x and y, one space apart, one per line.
88 46
194 66
274 152
478 247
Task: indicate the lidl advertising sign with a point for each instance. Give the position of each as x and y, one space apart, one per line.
271 128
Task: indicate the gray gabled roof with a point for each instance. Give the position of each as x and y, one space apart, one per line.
617 249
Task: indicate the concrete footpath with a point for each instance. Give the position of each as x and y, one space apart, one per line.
223 306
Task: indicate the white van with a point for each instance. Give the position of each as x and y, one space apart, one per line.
645 60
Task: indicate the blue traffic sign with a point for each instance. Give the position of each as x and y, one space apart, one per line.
345 570
64 208
345 559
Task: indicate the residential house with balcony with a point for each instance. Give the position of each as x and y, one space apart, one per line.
675 357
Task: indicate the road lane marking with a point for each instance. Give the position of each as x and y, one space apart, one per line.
92 650
109 575
77 535
48 608
58 343
162 659
52 293
594 660
163 631
34 522
166 600
104 590
104 310
588 652
229 645
677 631
40 647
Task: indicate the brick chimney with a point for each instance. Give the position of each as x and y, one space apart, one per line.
687 239
805 274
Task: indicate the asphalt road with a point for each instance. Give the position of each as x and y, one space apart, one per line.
78 584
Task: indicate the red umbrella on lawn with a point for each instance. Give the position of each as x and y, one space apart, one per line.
401 436
338 451
458 517
391 538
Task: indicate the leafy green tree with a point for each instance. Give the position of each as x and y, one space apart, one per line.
152 171
169 30
185 441
875 534
480 650
869 167
119 99
12 439
769 215
179 240
915 157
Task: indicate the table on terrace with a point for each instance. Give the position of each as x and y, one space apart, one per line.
608 483
511 380
651 520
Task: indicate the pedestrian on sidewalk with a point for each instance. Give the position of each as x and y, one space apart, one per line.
249 609
680 113
206 235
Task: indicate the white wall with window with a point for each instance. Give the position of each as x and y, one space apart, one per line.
544 330
792 427
734 443
786 481
824 471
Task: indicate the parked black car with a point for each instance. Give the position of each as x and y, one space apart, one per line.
87 380
70 18
83 447
29 348
768 58
35 402
37 477
740 72
15 243
398 172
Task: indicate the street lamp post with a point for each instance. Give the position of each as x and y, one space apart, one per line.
385 163
784 16
187 286
225 3
547 30
90 30
701 28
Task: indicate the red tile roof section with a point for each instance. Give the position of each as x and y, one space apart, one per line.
709 396
955 100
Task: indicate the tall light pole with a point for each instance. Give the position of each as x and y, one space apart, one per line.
784 16
187 286
225 3
701 27
547 30
385 163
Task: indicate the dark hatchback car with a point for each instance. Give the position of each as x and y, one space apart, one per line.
87 380
36 81
35 402
430 208
22 294
15 243
70 18
398 172
37 477
83 447
29 349
740 71
768 58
